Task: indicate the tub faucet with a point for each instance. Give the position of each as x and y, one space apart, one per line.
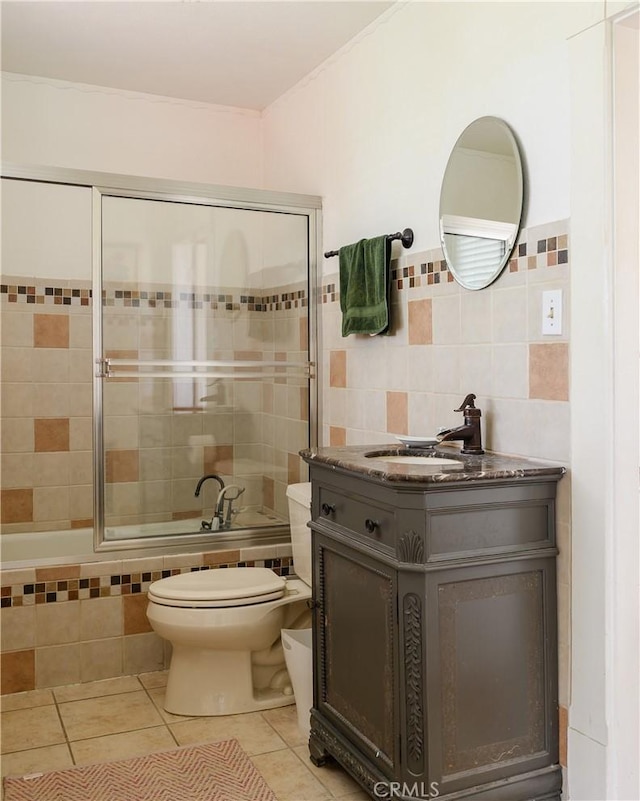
205 524
225 495
469 432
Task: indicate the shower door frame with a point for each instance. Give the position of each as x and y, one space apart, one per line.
114 185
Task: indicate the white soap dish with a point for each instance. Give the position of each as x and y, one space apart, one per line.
418 442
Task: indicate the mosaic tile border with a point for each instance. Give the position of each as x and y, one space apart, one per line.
539 253
108 586
152 299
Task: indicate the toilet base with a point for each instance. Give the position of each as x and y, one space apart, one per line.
207 683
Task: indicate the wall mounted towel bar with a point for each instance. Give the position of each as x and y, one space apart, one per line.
406 237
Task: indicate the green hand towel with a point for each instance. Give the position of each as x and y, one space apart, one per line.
364 286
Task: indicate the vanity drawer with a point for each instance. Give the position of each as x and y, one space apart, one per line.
358 516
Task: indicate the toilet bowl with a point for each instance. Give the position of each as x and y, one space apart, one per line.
224 626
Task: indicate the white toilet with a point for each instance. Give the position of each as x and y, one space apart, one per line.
224 626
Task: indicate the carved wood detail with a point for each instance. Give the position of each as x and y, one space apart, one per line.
413 678
411 548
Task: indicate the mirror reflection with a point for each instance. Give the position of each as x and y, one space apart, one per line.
481 202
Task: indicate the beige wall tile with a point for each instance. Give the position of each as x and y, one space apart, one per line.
51 400
50 469
80 365
218 459
17 435
337 436
17 470
101 617
51 365
121 432
80 466
121 466
17 399
509 371
155 464
80 330
397 413
213 558
17 364
100 659
17 505
420 322
80 434
17 675
446 319
51 503
80 400
143 653
338 368
51 434
50 331
57 623
134 609
476 311
510 314
17 329
18 629
57 664
549 371
57 573
25 575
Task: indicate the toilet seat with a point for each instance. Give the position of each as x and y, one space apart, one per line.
222 587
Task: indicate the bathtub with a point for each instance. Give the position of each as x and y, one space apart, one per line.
175 536
76 543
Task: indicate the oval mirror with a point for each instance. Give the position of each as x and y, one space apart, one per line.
481 202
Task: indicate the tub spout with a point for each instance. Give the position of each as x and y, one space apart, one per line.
205 524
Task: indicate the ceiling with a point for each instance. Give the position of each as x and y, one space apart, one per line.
243 53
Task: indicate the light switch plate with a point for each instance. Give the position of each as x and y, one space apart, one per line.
552 312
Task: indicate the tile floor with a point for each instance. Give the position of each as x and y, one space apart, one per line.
123 717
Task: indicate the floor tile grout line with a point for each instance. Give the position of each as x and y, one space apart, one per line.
63 727
165 723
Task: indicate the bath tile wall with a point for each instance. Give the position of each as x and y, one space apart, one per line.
154 456
447 342
82 622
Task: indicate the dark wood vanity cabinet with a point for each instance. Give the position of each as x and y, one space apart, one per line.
435 656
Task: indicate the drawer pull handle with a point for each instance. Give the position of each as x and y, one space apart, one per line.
328 509
371 525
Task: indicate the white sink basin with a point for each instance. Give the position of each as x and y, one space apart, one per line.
425 461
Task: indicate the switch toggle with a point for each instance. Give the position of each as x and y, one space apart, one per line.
552 312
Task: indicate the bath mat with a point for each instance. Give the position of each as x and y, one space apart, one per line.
212 772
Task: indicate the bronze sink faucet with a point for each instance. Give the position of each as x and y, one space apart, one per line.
469 432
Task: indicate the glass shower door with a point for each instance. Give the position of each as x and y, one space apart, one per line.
205 365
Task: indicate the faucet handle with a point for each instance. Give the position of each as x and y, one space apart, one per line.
467 403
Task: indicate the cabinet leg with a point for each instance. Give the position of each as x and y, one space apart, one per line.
317 752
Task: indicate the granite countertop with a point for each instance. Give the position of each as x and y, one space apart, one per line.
487 467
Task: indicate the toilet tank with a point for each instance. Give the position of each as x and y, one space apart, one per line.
299 500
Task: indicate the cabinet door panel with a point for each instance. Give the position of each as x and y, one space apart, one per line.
496 663
357 673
